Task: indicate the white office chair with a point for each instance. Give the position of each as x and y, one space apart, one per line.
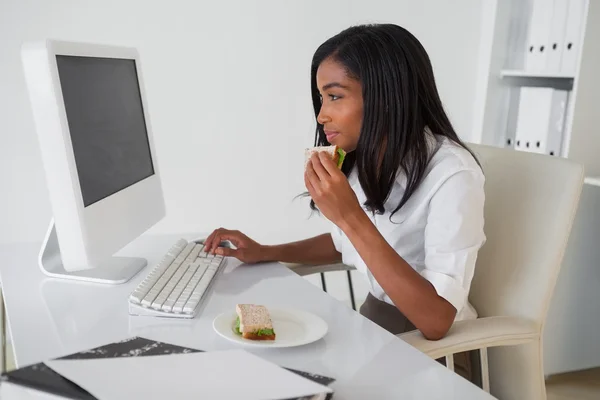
531 202
303 270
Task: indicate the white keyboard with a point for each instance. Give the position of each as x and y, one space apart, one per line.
178 284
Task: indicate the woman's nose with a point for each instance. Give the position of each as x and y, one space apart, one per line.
323 117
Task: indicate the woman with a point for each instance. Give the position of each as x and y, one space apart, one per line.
407 206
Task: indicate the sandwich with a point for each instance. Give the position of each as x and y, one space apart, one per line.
336 153
254 322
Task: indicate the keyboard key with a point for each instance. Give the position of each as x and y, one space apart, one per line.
194 253
168 306
147 302
177 248
137 296
188 249
189 308
178 307
157 304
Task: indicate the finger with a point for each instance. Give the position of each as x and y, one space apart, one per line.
312 182
216 239
214 245
328 165
311 174
209 239
308 185
317 165
213 240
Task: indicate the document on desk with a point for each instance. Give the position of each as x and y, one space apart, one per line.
230 374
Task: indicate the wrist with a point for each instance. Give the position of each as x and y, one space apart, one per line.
267 253
354 222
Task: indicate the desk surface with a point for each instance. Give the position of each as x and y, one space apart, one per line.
48 318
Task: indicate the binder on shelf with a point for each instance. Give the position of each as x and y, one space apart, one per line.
556 41
517 29
556 123
512 113
540 120
528 118
538 35
573 36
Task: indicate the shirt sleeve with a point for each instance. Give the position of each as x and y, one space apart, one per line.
454 234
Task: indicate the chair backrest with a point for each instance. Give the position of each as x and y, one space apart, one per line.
530 204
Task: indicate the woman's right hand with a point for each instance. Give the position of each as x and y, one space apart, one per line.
246 249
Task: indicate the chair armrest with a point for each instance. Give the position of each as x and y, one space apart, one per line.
476 334
304 269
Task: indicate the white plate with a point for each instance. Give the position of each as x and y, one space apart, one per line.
292 328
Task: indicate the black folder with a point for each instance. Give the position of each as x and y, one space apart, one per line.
40 377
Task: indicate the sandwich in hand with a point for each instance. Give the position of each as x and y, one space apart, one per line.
254 322
336 153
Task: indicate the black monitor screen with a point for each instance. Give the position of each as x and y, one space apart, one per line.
106 121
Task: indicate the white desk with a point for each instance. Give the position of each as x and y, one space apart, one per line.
48 318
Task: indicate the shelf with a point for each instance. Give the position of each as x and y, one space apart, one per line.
520 78
592 180
514 73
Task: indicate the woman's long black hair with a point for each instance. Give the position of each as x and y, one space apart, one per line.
400 102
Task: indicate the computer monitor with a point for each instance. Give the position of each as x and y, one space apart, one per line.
91 118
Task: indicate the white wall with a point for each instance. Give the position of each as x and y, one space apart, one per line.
228 89
571 331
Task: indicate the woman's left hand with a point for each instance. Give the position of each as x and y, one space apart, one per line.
330 190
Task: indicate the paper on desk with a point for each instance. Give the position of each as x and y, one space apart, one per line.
231 374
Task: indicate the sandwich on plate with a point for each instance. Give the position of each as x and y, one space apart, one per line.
254 322
336 153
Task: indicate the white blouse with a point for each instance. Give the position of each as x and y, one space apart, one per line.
438 231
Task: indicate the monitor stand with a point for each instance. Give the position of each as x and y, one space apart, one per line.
114 271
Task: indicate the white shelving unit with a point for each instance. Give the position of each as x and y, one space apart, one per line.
592 180
570 336
507 73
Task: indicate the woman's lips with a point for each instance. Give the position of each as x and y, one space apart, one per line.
331 134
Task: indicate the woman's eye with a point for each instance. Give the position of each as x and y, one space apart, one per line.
332 97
